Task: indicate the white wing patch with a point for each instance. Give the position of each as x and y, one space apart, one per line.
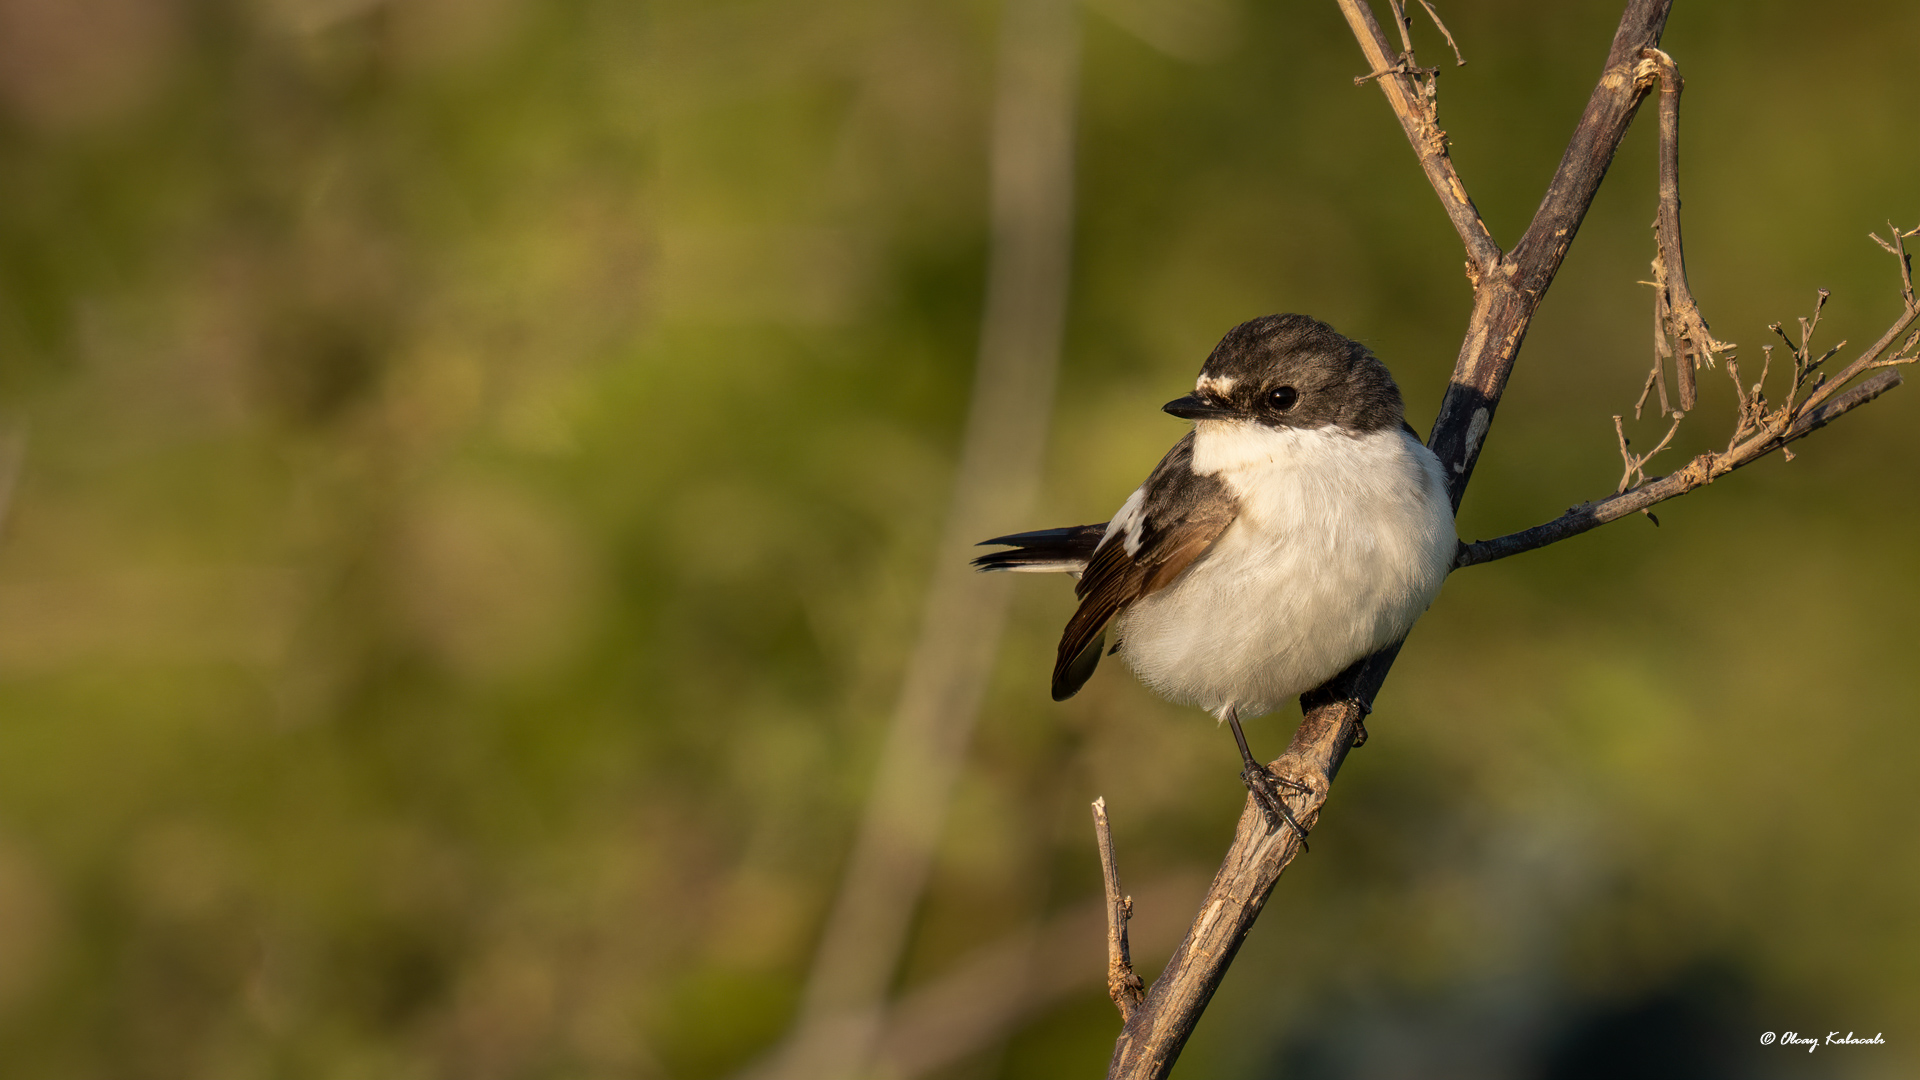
1130 521
1058 566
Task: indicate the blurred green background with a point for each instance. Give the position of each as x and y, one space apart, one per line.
472 470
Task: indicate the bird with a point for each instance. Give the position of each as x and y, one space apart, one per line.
1300 526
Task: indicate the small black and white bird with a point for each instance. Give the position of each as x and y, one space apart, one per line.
1300 526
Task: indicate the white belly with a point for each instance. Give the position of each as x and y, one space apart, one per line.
1341 543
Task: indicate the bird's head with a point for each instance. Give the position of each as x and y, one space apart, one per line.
1290 371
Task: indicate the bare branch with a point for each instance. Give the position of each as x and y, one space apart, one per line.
1157 1031
1699 472
1123 986
1420 119
1405 26
1757 431
1873 357
1504 302
1898 249
1676 313
1458 60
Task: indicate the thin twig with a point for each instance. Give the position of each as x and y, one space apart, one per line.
1400 67
1123 986
1458 60
1414 108
1750 406
1898 249
1757 430
1871 359
1636 464
1699 472
1157 1031
1404 25
1676 313
1504 302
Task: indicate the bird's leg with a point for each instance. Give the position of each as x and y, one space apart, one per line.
1262 782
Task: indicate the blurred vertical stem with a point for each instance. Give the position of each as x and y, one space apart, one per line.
1006 430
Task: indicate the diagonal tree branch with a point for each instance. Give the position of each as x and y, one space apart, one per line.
1414 106
1505 301
1157 1029
1507 292
1699 472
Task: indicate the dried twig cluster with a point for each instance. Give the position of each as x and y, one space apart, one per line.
1760 427
1427 78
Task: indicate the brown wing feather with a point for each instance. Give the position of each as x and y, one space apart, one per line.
1181 516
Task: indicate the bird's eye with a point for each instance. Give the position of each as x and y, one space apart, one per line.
1283 398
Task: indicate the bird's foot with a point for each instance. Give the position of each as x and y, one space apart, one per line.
1265 787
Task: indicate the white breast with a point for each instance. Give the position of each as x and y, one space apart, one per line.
1341 543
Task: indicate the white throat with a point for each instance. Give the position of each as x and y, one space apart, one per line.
1228 446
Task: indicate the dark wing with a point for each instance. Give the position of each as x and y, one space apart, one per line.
1044 551
1172 520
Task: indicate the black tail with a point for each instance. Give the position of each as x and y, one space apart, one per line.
1045 551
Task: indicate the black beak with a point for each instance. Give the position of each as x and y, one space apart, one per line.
1195 407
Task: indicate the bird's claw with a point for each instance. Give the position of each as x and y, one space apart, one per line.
1265 788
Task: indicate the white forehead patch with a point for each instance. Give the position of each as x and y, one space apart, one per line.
1217 385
